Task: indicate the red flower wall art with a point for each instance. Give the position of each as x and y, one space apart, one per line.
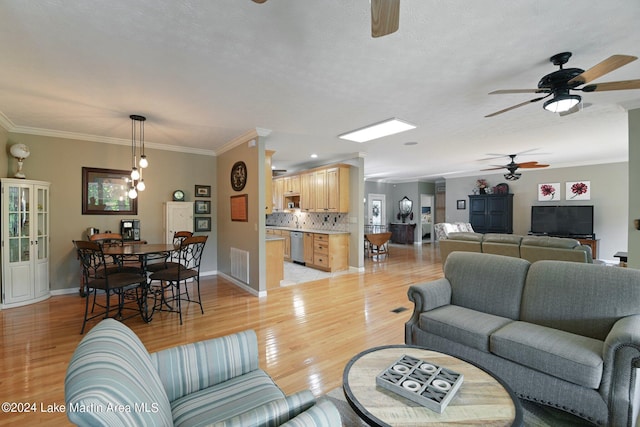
549 192
578 190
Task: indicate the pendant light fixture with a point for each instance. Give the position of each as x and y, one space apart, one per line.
137 138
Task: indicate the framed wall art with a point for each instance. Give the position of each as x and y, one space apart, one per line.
549 192
240 208
203 191
462 204
578 190
105 192
202 223
202 207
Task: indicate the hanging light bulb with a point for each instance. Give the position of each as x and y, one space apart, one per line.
133 193
140 186
135 175
143 161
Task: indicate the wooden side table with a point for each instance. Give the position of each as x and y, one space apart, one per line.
483 399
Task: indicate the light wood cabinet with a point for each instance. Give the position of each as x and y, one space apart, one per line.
278 194
308 192
287 241
318 190
330 252
308 248
25 242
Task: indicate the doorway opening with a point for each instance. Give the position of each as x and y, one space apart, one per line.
426 218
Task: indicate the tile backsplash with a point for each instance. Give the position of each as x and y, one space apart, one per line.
312 221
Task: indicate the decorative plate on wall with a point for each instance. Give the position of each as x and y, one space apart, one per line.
238 176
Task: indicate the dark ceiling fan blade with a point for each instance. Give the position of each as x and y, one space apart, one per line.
385 17
507 91
522 104
621 85
494 169
259 1
608 65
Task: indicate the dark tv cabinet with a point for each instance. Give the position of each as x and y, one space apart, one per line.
402 232
491 213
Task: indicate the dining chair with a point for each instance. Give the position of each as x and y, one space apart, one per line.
98 275
171 259
189 256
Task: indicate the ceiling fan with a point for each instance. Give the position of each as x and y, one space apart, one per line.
385 16
512 167
560 83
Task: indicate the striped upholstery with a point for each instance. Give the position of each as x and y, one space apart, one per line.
218 360
273 413
323 413
111 367
213 382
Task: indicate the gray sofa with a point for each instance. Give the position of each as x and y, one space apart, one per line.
563 334
531 248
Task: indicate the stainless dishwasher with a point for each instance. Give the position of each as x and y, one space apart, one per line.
297 247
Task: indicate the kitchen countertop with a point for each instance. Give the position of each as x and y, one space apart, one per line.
306 230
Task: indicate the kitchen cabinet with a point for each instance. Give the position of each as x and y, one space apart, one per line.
278 194
308 192
308 248
275 262
491 213
286 235
332 189
292 184
330 252
25 241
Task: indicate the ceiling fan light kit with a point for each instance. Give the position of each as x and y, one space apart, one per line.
560 83
562 102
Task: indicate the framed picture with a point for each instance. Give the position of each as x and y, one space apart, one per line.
549 192
578 190
240 208
202 223
462 204
203 191
202 207
105 192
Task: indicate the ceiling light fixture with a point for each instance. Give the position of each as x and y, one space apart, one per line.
137 182
378 130
562 102
512 176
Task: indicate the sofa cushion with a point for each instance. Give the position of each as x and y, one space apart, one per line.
584 299
550 242
465 235
510 239
488 283
564 355
225 400
462 325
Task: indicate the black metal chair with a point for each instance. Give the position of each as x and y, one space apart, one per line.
98 275
171 259
189 256
106 240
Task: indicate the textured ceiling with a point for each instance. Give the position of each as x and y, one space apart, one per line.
205 72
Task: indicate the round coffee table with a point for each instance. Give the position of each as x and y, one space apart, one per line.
483 399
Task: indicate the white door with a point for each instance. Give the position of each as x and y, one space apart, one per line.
377 210
178 217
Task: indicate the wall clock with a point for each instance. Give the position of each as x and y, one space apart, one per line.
238 176
178 196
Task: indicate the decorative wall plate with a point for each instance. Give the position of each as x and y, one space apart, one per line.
238 176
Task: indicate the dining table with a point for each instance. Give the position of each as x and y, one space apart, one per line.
144 252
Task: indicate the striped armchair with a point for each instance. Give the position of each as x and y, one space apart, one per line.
113 381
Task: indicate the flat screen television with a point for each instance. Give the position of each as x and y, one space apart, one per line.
562 221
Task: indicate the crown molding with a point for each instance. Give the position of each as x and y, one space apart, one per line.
247 136
10 127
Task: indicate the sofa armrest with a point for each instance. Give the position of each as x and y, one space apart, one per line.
322 414
621 354
274 413
426 297
191 367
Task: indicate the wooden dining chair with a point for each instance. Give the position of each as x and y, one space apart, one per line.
100 275
172 282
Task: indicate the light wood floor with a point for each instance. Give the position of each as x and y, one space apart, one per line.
307 332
